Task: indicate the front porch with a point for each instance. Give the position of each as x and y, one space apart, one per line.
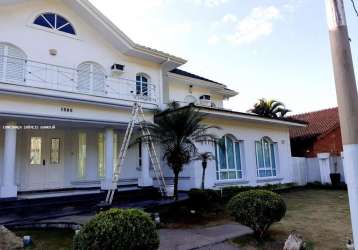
44 158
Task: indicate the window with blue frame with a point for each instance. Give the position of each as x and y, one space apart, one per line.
142 85
55 22
228 159
266 158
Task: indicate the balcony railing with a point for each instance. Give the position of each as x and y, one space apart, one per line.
53 77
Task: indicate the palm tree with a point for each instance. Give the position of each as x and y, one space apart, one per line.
177 130
204 158
270 108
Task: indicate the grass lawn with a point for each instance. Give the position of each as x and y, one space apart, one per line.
48 239
320 216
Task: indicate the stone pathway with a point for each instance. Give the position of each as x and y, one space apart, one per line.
211 238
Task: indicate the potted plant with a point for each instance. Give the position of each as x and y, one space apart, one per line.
335 176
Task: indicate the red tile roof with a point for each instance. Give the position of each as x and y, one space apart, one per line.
319 123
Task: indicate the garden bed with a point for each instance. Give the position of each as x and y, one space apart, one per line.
49 239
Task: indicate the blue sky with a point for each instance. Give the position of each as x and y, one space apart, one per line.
261 48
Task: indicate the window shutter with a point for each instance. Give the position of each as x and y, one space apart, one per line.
91 77
84 77
13 64
98 79
2 61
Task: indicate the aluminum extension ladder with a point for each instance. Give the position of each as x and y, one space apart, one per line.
137 118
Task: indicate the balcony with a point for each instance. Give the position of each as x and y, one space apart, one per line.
35 77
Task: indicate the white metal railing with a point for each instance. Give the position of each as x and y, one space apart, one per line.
53 77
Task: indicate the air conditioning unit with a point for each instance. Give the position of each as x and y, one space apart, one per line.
117 69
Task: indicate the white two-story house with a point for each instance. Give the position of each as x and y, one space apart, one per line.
68 80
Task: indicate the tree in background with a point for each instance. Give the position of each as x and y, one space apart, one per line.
270 108
204 158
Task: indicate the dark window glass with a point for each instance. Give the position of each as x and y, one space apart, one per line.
50 18
42 22
60 21
56 22
68 29
141 85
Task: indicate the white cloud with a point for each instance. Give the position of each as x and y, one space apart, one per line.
255 26
213 40
209 3
144 22
229 18
292 5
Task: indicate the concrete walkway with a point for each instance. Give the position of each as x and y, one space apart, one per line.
211 238
207 238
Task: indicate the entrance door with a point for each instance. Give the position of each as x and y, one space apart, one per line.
45 160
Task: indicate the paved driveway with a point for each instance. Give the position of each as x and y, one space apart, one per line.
210 238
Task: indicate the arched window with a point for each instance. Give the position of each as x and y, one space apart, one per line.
228 159
55 22
12 63
91 78
189 99
266 151
142 84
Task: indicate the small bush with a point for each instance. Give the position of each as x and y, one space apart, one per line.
203 200
118 229
228 192
257 209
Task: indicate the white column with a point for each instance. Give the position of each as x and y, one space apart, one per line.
350 165
8 188
145 180
109 157
324 167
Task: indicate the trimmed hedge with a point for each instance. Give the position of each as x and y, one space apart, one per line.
203 200
228 192
257 209
118 229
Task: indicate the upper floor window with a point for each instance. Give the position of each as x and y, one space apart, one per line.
142 85
266 151
205 97
55 22
228 159
91 78
12 63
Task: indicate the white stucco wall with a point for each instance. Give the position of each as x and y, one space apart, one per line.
68 167
88 45
178 91
19 105
247 133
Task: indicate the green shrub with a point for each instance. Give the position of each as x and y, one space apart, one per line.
257 209
228 192
118 229
203 200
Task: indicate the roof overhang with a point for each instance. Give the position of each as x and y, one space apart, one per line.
216 88
240 116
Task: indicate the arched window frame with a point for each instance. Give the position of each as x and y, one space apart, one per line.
12 63
96 82
227 173
51 28
189 99
142 84
266 158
